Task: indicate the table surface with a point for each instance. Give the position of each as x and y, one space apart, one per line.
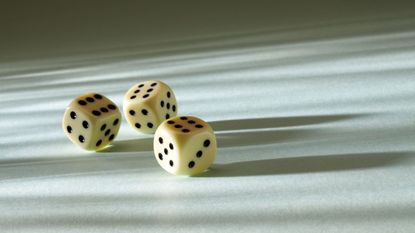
314 119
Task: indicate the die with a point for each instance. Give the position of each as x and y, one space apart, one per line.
184 145
91 121
147 104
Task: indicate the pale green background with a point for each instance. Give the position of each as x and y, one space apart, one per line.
312 103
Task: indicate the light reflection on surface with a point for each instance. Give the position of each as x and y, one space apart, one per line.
310 129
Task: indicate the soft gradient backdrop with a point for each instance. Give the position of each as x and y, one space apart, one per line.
312 102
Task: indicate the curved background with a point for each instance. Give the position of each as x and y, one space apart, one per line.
312 104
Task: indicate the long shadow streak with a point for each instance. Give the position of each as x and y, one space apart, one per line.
309 164
240 138
273 122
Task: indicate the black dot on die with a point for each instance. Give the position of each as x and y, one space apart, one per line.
137 125
81 138
178 126
162 103
167 116
141 85
107 132
133 97
191 164
161 140
183 118
136 91
168 94
171 163
115 122
145 96
104 109
144 112
168 105
153 84
199 154
160 156
103 127
111 137
170 122
73 115
98 142
90 99
85 124
150 90
191 122
206 143
96 113
82 102
132 112
150 125
173 108
166 152
185 130
98 96
69 129
171 146
199 126
111 106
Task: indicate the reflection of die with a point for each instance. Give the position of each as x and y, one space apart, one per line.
91 121
149 103
185 145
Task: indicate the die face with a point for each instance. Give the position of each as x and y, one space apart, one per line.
142 117
165 103
193 148
187 126
89 130
165 149
94 104
197 154
78 127
105 131
142 91
156 97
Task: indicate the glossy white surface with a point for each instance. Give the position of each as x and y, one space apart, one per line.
314 118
